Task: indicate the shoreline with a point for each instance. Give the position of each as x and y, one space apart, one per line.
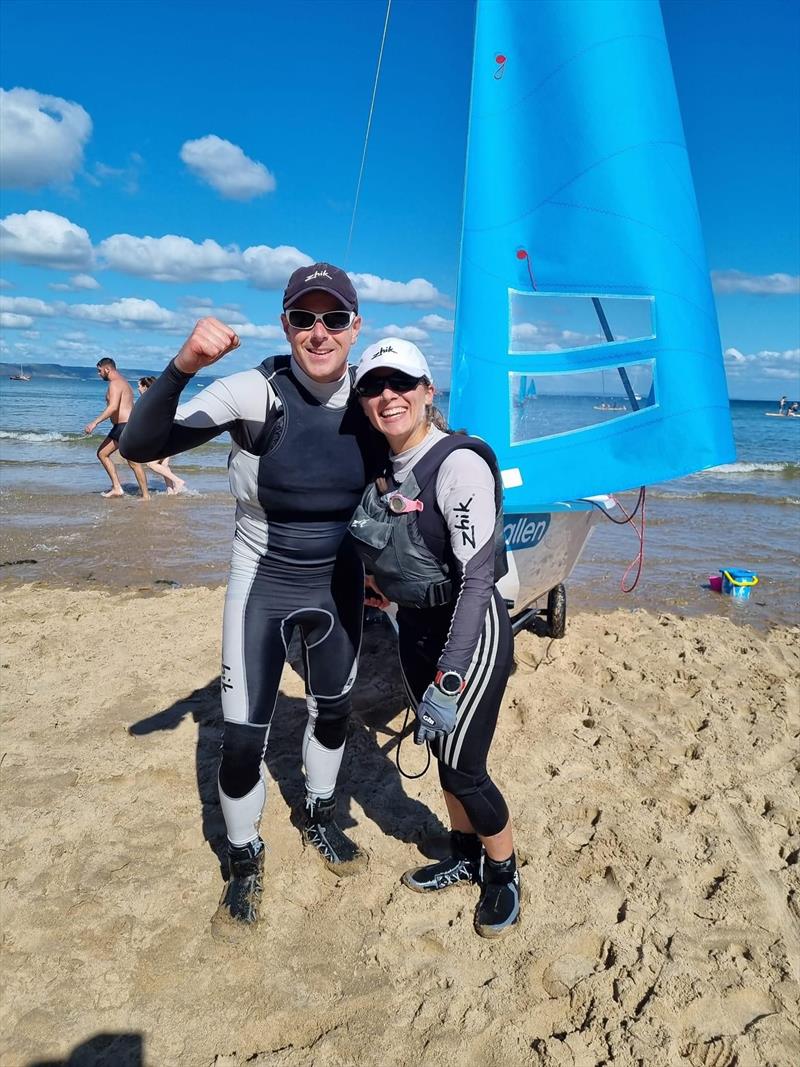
648 763
184 542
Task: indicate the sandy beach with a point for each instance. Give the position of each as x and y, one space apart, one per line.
650 762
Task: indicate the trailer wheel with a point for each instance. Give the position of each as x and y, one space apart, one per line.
557 611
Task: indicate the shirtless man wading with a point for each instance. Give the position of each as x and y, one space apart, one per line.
119 405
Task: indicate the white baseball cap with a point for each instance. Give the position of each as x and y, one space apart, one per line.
395 354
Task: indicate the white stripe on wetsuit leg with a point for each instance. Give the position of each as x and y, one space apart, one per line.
493 627
471 682
475 685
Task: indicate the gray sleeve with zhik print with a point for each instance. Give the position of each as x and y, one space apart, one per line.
465 497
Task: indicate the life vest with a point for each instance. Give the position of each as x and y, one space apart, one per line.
409 554
314 461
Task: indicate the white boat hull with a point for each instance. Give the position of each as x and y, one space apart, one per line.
544 547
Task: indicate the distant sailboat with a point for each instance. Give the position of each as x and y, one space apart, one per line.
606 405
21 377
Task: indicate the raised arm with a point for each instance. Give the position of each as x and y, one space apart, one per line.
155 427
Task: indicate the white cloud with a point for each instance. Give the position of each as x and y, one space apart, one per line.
736 281
127 176
171 258
41 138
5 284
129 311
733 355
11 321
269 268
249 329
767 363
76 283
437 323
408 333
545 337
384 291
226 168
26 305
43 239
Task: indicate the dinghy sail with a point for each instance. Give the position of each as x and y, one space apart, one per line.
581 256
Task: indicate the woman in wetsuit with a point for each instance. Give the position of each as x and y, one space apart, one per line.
429 535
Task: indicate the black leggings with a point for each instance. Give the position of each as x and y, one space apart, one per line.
462 754
265 601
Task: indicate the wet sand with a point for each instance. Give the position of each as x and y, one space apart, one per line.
650 764
67 538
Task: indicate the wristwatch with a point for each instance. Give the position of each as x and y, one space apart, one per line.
449 682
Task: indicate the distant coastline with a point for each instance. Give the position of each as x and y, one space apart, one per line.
58 370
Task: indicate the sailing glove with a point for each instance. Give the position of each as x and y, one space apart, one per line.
436 715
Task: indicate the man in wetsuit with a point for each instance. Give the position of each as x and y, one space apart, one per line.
119 405
301 454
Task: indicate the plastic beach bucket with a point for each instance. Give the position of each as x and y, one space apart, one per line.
738 583
715 582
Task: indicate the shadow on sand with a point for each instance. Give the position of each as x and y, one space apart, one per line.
368 775
102 1050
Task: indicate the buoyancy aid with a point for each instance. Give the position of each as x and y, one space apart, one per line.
314 460
409 554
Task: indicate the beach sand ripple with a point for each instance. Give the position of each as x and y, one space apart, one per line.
651 766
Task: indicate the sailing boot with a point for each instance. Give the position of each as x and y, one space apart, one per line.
241 896
461 866
498 909
321 830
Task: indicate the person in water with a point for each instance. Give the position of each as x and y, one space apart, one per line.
119 405
301 454
430 533
172 482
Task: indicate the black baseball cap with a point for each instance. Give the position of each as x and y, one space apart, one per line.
322 276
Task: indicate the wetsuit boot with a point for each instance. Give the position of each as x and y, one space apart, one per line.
242 893
321 830
498 909
461 866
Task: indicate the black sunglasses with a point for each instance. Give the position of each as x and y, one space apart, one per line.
398 381
331 320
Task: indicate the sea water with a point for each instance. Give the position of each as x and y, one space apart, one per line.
743 514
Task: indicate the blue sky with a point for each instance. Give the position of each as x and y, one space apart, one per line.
231 137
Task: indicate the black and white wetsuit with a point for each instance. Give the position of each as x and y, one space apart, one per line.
301 454
471 635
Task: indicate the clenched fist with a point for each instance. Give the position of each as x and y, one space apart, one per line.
209 341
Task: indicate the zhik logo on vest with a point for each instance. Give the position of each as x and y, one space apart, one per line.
525 531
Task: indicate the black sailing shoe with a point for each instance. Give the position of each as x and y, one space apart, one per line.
321 830
498 909
461 867
242 893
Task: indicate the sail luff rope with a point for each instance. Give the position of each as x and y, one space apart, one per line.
366 136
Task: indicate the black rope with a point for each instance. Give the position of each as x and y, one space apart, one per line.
399 744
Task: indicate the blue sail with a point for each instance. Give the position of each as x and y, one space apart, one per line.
582 258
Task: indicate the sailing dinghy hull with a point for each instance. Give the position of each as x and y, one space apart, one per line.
544 545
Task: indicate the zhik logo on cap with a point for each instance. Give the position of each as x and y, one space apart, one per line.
319 274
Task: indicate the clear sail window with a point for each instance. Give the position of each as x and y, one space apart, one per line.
560 322
543 405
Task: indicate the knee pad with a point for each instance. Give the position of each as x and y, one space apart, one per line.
242 751
482 800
